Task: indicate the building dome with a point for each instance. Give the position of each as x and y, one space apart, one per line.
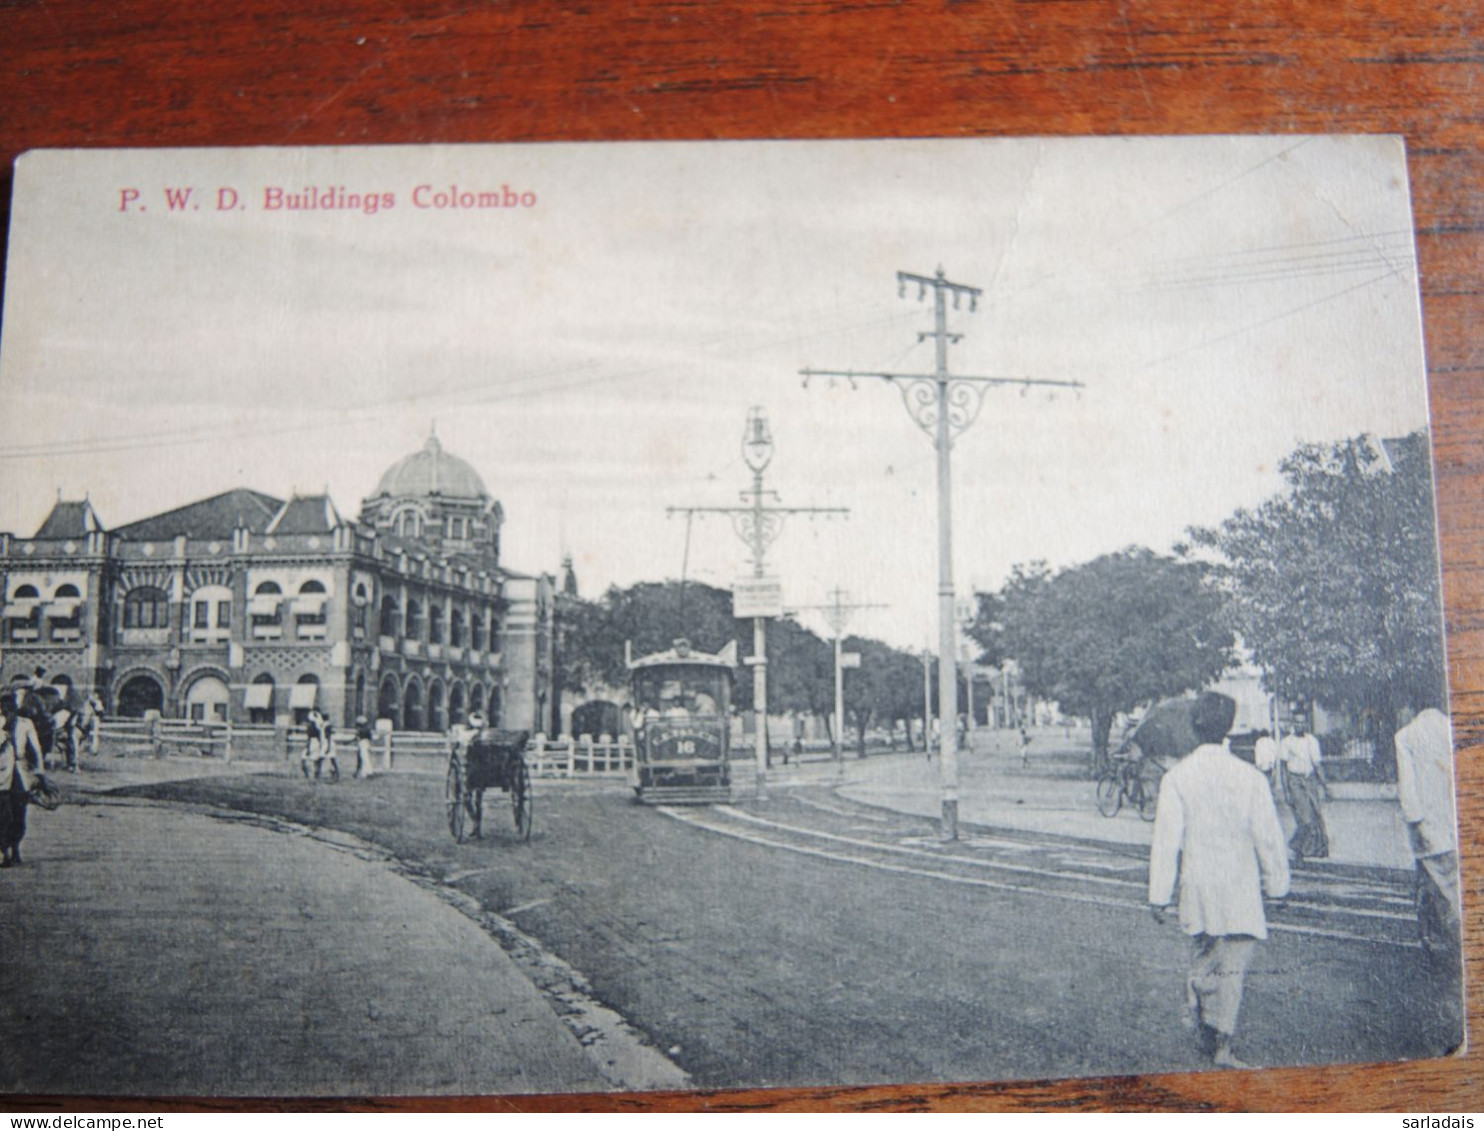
432 471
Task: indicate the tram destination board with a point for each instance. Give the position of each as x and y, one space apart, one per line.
757 597
1134 441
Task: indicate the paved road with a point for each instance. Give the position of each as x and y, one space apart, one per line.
157 951
1359 904
793 945
815 940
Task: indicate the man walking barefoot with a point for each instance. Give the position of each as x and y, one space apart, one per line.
1217 830
1303 770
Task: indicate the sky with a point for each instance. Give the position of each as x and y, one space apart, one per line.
594 352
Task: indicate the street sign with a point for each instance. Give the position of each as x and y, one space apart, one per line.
850 659
757 597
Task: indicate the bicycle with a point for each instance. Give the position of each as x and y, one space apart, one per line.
1122 782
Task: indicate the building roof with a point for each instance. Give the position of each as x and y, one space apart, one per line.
305 514
432 471
70 520
215 517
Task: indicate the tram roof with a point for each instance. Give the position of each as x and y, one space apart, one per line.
726 659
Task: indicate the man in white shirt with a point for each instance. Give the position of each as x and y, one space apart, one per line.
1265 758
1303 768
1217 830
1424 786
15 793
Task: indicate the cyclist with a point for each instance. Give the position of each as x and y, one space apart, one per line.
1131 778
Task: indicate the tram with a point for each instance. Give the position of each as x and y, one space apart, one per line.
680 716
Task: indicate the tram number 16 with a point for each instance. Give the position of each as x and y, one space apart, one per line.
686 746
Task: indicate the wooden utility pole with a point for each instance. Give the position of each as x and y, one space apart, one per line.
943 405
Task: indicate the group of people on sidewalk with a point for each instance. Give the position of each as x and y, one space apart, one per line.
319 746
30 731
1218 839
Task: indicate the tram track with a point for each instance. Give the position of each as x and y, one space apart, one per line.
1373 910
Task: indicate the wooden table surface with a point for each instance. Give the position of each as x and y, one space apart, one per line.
353 72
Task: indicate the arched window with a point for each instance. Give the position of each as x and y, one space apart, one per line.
303 698
206 700
456 628
310 620
408 523
476 625
435 622
23 615
412 706
139 695
360 601
414 618
266 610
146 607
389 701
391 617
64 612
259 699
437 706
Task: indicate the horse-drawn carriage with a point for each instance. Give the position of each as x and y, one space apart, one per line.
482 758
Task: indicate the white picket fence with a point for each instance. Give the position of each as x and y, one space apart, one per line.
409 751
579 757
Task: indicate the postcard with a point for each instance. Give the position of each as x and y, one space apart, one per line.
569 618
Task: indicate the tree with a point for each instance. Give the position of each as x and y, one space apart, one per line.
1110 635
886 687
650 616
1334 582
579 626
801 670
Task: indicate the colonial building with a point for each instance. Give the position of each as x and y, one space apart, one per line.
256 608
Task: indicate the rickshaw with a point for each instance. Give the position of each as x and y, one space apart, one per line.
481 759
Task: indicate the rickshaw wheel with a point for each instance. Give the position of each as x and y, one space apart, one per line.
520 799
474 803
1109 793
453 798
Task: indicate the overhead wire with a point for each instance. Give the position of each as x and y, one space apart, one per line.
1174 210
524 386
